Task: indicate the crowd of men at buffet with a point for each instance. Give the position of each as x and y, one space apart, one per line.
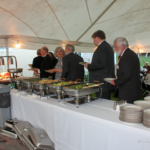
102 66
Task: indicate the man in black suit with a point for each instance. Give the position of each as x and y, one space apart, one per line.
37 61
71 69
128 72
46 63
102 64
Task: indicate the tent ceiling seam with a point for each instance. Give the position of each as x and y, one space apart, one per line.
57 19
20 20
127 27
88 11
122 15
95 20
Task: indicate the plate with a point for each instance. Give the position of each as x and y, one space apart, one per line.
81 63
145 104
109 79
146 111
132 108
31 69
147 98
47 71
30 65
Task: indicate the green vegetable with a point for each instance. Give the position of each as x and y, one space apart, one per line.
80 86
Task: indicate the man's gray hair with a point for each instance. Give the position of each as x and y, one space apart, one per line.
59 48
71 47
121 41
45 48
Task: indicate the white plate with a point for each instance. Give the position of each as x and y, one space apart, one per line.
146 111
109 79
30 65
147 98
132 107
146 104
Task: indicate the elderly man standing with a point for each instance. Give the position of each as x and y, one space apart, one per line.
71 69
102 64
128 72
146 65
46 63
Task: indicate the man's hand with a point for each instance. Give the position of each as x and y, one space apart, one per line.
112 82
36 71
86 65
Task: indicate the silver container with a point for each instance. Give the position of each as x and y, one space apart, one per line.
40 139
22 130
15 70
81 92
59 89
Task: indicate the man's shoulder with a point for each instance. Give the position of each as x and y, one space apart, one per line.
129 52
72 57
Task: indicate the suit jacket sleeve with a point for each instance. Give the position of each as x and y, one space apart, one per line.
99 59
65 68
34 63
125 71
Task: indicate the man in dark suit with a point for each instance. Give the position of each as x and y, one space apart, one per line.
71 69
102 64
128 72
37 61
46 63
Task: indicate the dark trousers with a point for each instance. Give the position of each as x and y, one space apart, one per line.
105 94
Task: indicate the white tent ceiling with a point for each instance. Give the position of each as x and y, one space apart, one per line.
35 23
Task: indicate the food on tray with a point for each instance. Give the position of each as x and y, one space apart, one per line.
34 80
46 81
80 86
64 83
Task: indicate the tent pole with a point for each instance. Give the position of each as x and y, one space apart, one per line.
95 21
7 51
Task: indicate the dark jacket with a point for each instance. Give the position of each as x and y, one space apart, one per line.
37 61
72 70
46 65
128 74
102 65
54 64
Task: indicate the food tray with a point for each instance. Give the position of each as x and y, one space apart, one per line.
84 91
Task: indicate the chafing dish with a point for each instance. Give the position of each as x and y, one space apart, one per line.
82 92
22 130
58 88
18 82
27 84
40 139
42 87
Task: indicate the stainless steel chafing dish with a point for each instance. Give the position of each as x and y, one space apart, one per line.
15 70
18 82
42 87
58 88
82 92
27 84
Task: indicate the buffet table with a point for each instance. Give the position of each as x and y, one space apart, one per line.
92 126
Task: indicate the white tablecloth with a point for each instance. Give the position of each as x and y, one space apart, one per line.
92 126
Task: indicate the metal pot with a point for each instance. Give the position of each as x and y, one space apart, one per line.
15 70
